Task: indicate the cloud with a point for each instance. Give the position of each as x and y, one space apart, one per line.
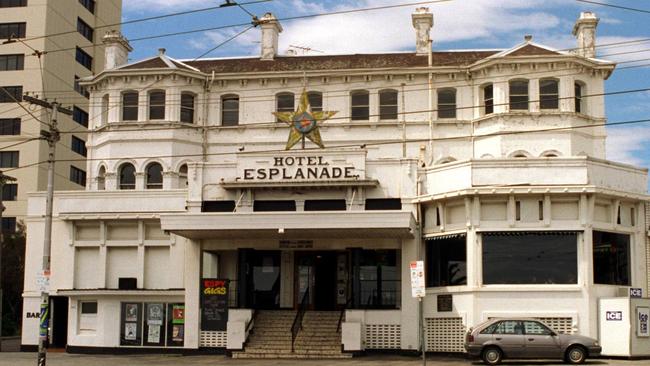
628 144
628 53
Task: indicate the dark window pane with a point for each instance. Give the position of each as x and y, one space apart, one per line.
154 176
12 62
127 177
12 3
88 307
8 225
157 105
187 108
530 258
611 258
285 102
447 104
85 30
10 126
519 95
80 116
79 88
549 94
360 106
578 97
388 105
266 206
230 110
9 159
315 101
88 4
377 279
11 94
9 192
446 262
83 58
325 205
79 146
383 204
78 176
509 327
130 106
17 30
218 206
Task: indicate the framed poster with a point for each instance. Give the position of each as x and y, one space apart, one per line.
214 304
176 325
130 324
642 315
154 329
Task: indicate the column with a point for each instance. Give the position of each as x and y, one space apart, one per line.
139 181
192 277
410 311
533 95
501 97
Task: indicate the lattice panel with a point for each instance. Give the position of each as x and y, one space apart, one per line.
383 336
214 339
445 335
561 325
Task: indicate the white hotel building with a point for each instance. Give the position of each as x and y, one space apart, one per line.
488 165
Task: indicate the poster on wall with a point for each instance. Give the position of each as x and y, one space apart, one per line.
214 304
130 331
155 314
642 315
153 335
131 324
154 324
176 325
131 313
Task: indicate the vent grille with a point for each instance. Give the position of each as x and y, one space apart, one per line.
211 339
383 336
561 325
445 335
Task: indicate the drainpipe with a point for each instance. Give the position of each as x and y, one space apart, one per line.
430 102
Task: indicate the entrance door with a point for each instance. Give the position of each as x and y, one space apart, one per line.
59 321
265 279
316 271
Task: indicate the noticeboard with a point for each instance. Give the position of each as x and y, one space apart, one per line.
214 304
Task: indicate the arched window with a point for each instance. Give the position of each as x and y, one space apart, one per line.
550 154
315 101
447 103
549 94
154 176
130 106
388 104
182 176
488 99
520 154
101 179
284 102
519 95
127 176
104 118
579 92
360 105
187 107
230 110
157 104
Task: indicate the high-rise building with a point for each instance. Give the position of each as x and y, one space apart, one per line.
69 34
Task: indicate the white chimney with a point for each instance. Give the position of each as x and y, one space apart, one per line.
116 51
271 30
585 32
422 22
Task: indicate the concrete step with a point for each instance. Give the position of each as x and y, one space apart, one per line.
315 356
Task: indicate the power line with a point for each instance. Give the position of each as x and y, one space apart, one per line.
614 6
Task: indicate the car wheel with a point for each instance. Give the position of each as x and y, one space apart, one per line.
576 355
492 356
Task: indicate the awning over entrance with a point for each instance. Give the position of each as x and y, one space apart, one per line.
287 225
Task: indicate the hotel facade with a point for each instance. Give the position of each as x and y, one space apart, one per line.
202 225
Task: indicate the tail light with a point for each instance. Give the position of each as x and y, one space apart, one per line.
470 338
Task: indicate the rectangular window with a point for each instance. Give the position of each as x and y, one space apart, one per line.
85 30
8 225
9 126
218 206
77 176
15 30
11 94
9 192
447 104
230 110
376 279
530 258
12 62
89 307
79 88
360 106
8 159
388 105
446 261
549 95
383 204
88 316
488 99
578 97
611 258
315 101
83 58
79 146
157 105
519 95
88 4
325 205
12 3
187 108
80 116
269 206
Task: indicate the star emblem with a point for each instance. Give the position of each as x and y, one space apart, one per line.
304 123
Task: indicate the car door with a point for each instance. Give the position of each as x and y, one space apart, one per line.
541 342
509 336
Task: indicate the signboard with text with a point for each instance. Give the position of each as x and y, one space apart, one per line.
642 315
214 304
417 279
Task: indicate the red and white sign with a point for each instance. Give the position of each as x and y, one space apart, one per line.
417 279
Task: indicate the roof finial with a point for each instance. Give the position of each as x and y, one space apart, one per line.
161 51
528 37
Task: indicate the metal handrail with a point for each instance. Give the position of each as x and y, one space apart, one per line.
297 321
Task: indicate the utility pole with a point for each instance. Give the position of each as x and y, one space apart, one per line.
52 137
3 179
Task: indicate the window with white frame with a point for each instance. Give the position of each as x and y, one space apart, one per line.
187 107
488 99
87 316
519 95
157 105
388 104
360 105
549 94
447 103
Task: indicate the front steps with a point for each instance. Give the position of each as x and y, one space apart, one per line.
271 336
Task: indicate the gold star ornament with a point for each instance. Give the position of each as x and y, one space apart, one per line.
304 123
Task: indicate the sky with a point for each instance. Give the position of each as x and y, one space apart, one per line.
459 24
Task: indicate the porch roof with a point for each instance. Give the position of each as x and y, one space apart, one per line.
291 225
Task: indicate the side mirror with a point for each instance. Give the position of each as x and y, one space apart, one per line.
553 334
